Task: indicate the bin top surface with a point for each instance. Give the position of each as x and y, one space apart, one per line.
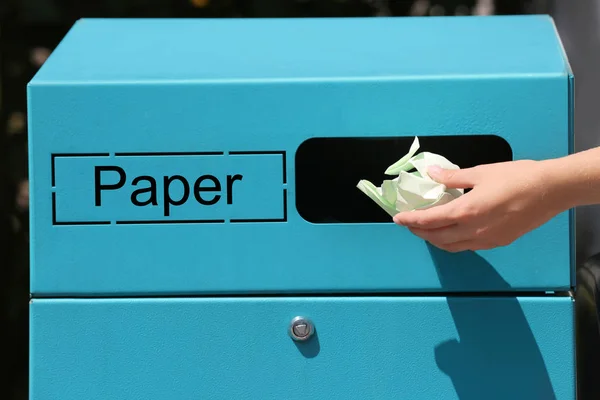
131 51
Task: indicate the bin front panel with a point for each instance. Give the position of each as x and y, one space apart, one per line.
168 189
362 348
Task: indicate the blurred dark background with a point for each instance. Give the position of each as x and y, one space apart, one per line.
30 29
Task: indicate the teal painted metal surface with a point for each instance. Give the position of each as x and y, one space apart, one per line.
189 107
462 348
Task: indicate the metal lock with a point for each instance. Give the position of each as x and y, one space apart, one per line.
301 329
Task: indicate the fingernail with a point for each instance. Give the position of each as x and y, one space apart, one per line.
434 170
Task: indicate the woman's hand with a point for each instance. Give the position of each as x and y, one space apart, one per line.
507 200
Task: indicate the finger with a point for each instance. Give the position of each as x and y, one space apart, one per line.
432 218
454 178
466 245
446 235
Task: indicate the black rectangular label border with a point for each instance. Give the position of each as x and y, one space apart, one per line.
283 153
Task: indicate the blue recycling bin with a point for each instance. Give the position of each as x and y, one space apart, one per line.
196 230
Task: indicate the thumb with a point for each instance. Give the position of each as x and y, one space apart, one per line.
453 178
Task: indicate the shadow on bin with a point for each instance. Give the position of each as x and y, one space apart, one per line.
496 355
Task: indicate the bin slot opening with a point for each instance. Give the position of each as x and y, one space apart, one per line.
328 169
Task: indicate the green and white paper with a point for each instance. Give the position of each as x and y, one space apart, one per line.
412 189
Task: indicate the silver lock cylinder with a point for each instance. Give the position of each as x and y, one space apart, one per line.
301 329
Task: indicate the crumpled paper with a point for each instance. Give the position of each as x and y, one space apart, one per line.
411 190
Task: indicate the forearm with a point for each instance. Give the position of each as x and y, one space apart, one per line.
575 179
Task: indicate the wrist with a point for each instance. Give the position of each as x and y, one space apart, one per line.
573 180
558 184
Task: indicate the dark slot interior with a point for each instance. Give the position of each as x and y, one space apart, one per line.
328 169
